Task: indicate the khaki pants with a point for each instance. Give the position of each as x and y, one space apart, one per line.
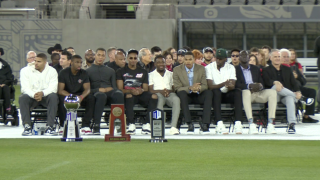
266 95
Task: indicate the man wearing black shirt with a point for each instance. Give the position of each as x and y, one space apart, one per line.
133 81
103 87
64 62
74 80
145 60
119 62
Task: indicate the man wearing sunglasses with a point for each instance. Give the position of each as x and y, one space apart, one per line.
133 82
235 57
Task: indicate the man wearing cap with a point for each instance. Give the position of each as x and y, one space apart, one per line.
235 57
145 61
119 62
221 78
103 87
250 81
64 62
180 53
190 84
57 48
133 82
89 59
207 55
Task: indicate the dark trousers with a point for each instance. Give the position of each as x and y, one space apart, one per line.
204 98
111 97
5 94
309 93
87 103
144 99
233 97
27 104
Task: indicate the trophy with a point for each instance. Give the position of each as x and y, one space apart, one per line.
157 119
71 131
117 122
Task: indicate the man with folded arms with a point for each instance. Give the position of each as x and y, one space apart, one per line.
281 79
190 83
74 80
39 85
221 77
249 80
161 83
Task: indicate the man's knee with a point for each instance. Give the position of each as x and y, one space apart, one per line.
128 96
23 98
52 96
208 93
182 94
100 95
154 96
118 94
90 98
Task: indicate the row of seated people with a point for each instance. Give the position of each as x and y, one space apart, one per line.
219 82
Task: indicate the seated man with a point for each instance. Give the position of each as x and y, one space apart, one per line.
190 83
103 87
39 85
64 62
133 82
249 80
119 61
180 53
5 81
309 93
235 57
145 61
161 83
221 77
280 78
74 80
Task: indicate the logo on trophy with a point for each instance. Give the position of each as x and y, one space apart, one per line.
157 119
117 124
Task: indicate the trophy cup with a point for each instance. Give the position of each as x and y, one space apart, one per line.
157 119
117 121
71 131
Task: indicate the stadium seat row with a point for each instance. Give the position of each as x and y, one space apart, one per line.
248 2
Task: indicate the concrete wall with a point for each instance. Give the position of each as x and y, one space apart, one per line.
17 37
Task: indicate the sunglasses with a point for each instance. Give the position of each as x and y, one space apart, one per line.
234 55
133 58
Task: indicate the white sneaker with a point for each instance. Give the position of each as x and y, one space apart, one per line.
271 129
253 129
174 131
238 127
146 129
61 130
131 129
86 131
221 128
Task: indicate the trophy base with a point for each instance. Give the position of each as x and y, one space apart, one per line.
158 140
122 138
71 139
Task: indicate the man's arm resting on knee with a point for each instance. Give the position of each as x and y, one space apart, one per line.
61 90
85 93
120 87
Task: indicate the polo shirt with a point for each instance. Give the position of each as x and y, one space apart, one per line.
161 82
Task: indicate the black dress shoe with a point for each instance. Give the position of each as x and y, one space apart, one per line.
204 129
309 120
190 129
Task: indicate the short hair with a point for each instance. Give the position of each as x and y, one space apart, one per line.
254 49
189 53
101 49
159 56
166 53
235 50
285 50
155 49
142 52
187 48
255 57
109 50
197 54
272 51
27 56
70 48
42 56
266 47
76 57
54 55
66 53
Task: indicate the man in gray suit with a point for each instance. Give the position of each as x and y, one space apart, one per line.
189 81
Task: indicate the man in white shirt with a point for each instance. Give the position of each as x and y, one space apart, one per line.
221 78
161 83
39 85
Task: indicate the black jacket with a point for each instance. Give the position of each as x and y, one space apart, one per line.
269 75
300 80
149 67
6 76
317 51
101 76
114 66
255 73
57 67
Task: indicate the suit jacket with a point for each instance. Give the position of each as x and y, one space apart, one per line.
241 81
181 80
269 75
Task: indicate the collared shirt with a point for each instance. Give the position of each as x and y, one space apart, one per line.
226 72
247 75
190 74
85 65
161 82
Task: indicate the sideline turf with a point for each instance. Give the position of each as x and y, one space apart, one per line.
177 159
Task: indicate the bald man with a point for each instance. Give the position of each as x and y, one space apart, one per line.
31 56
119 61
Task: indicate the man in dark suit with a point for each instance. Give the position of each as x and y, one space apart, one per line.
249 80
280 78
190 84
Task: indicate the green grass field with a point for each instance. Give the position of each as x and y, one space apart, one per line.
177 159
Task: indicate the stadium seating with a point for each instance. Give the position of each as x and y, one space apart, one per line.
220 2
308 2
186 2
289 2
255 2
272 2
238 2
204 2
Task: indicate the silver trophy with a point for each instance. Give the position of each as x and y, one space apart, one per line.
71 130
